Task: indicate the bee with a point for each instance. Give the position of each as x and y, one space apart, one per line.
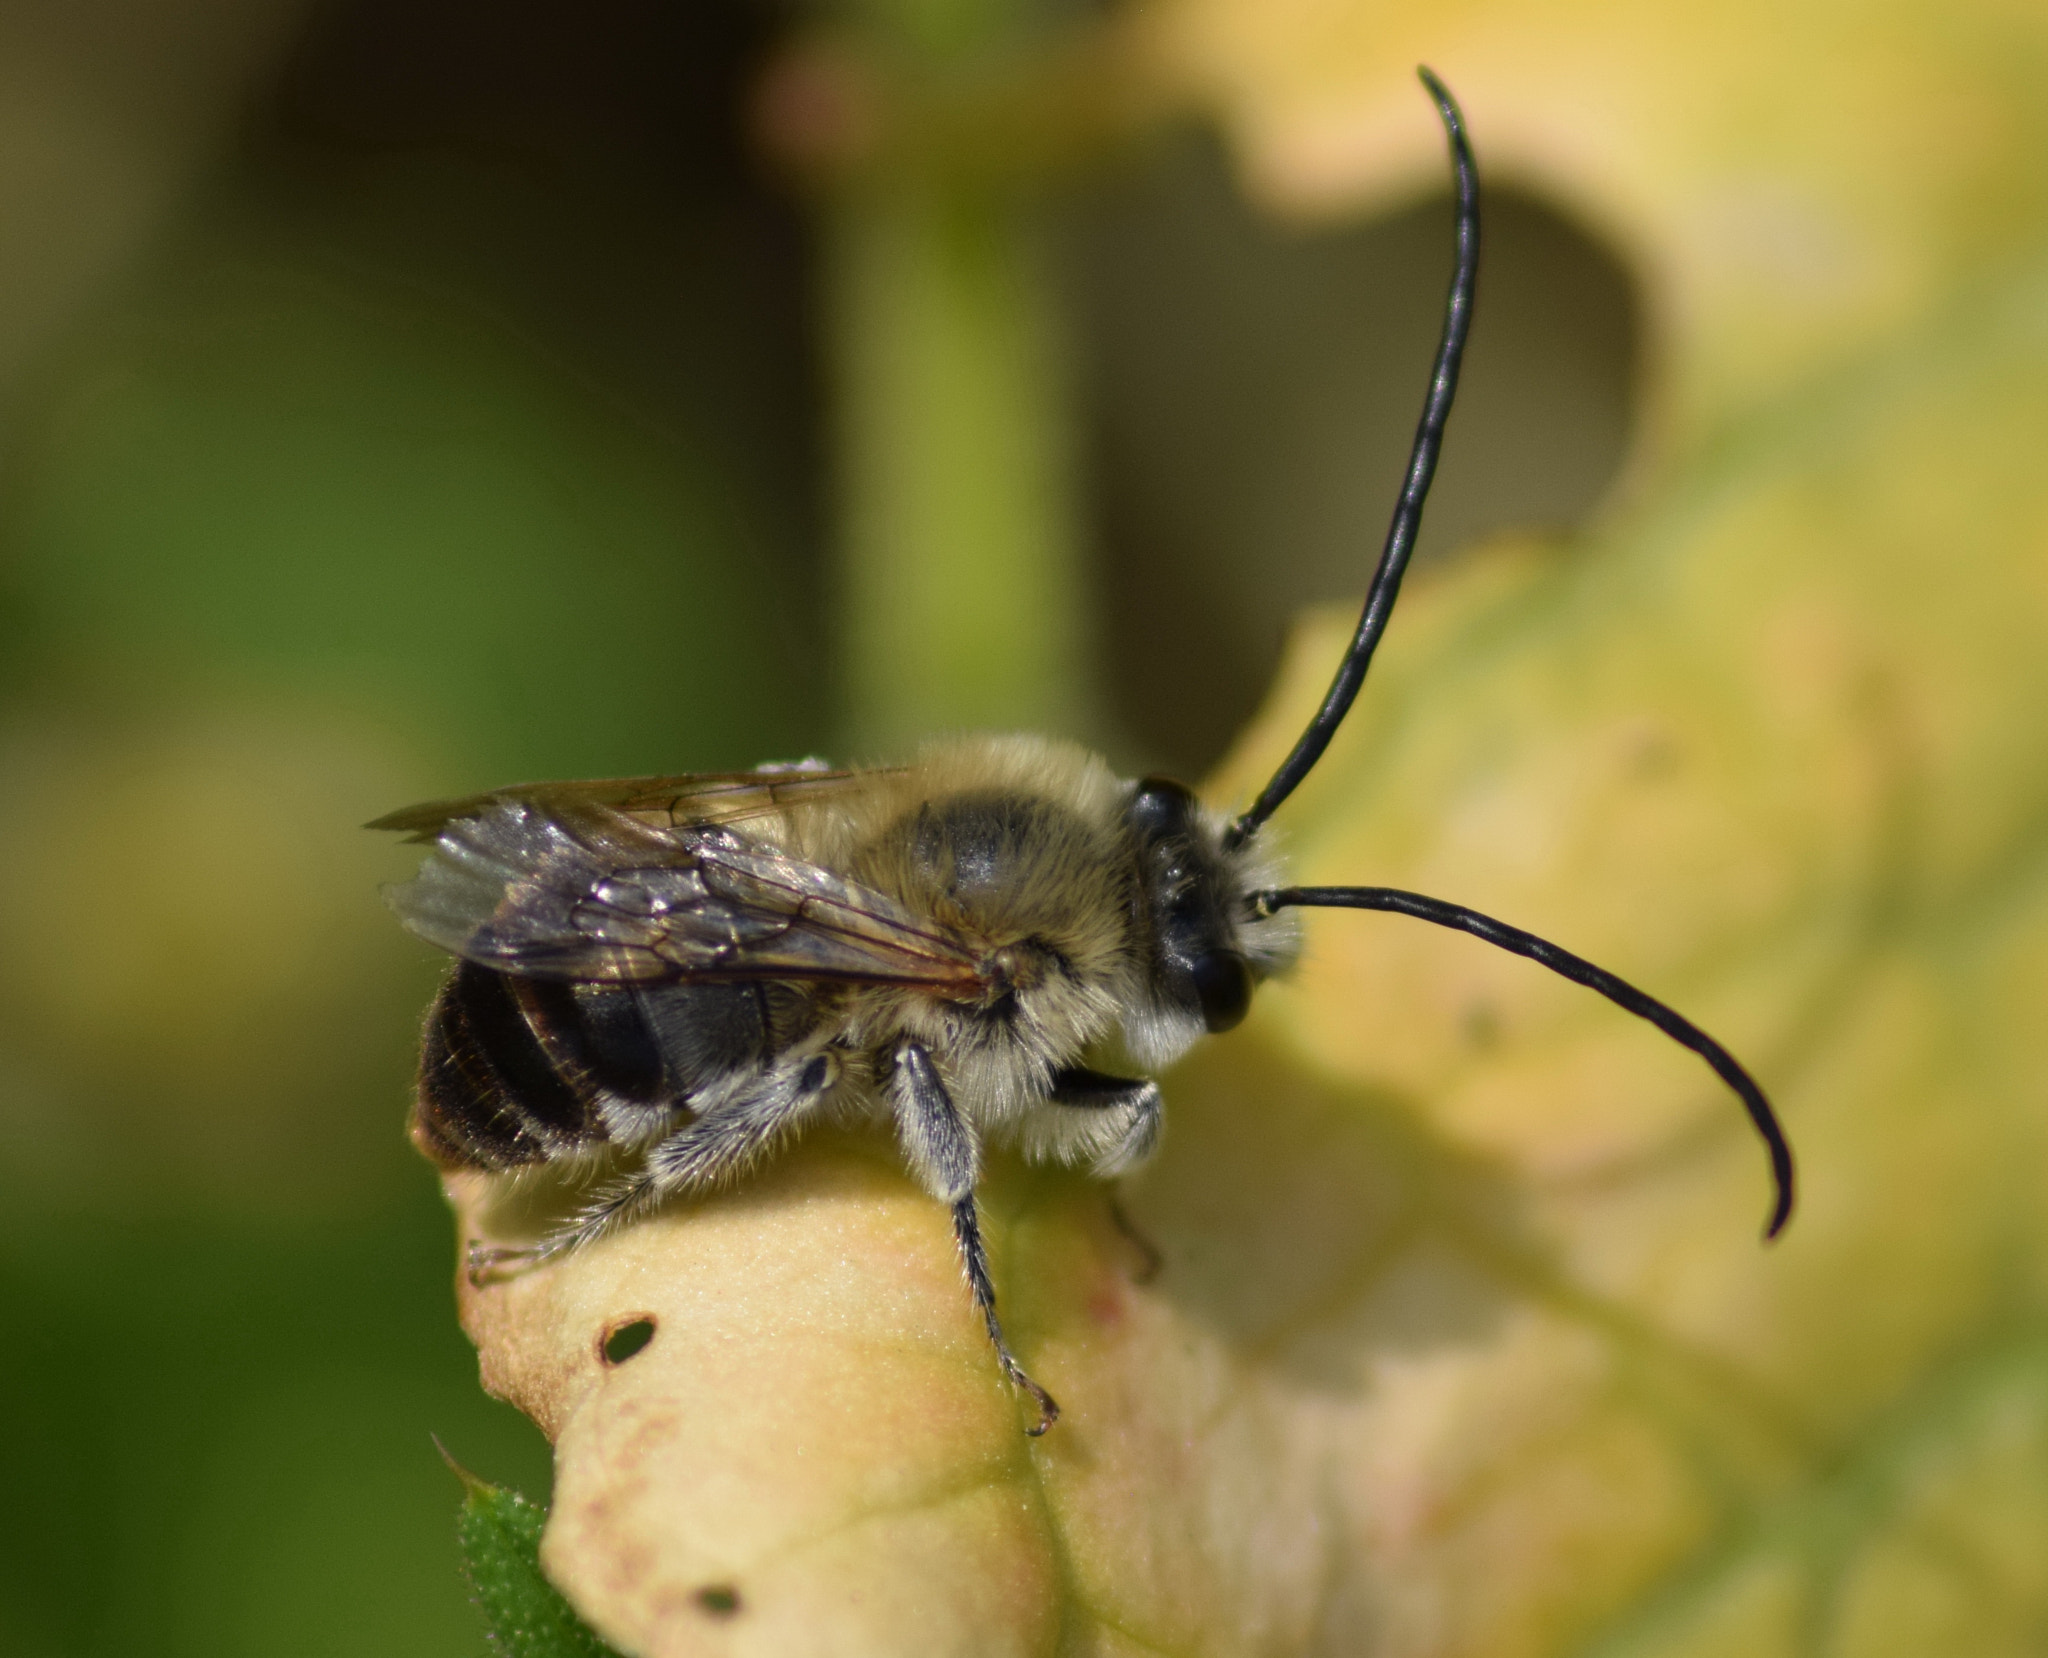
684 972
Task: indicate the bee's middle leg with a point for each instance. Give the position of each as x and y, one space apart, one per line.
940 1144
706 1152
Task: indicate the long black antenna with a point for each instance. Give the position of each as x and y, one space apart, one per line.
1429 437
1580 971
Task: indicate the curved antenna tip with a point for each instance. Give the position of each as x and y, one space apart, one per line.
1561 961
1446 103
1781 1211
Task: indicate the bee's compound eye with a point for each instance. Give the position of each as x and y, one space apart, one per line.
1223 982
1162 808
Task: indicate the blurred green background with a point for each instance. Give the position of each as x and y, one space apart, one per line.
398 399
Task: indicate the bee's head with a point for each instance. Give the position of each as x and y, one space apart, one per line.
1208 949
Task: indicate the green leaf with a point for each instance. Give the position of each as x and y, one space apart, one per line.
499 1532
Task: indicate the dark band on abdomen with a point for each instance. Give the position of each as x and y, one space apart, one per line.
489 1096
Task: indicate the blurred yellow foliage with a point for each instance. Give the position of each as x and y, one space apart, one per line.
176 941
1465 1342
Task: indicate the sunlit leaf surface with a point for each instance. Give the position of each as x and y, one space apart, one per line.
1464 1341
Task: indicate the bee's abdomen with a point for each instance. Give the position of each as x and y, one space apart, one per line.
517 1070
490 1096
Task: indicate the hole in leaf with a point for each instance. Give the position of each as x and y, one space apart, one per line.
622 1341
718 1600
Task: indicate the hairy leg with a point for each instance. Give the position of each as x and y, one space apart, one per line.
1109 1123
706 1152
943 1155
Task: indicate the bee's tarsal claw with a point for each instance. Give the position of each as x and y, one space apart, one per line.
493 1263
1048 1406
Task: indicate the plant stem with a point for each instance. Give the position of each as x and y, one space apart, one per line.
962 600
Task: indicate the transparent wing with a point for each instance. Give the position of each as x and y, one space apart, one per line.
592 893
689 797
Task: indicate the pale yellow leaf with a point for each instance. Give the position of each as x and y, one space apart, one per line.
1465 1342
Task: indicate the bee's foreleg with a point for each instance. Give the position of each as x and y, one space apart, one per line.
1110 1123
940 1144
706 1152
1151 1259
